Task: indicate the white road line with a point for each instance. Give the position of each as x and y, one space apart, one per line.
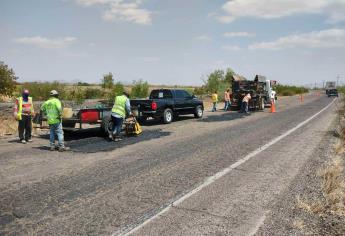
220 174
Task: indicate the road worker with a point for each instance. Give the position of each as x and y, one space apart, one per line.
245 103
23 113
227 102
214 98
53 110
121 107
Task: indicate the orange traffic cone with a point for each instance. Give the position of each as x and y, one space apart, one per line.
273 107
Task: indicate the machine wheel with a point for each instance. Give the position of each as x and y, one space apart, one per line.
106 125
198 112
168 116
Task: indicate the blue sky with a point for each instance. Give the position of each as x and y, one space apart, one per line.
173 41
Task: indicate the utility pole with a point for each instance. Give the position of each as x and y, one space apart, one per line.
338 77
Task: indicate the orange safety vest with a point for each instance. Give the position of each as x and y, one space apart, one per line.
28 107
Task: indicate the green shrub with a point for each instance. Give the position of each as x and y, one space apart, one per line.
7 80
92 93
41 90
117 90
287 90
140 89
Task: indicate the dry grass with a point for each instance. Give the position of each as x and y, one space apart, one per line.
327 212
8 127
299 224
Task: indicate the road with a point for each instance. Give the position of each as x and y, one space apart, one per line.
105 188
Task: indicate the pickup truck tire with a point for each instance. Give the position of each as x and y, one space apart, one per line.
168 116
198 112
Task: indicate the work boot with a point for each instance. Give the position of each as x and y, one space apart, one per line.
63 148
23 141
29 140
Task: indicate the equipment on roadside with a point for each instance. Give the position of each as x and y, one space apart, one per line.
260 90
132 127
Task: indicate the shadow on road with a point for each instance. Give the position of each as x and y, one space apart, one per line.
226 116
153 122
92 141
101 144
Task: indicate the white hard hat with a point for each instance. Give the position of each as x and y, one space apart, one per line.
54 92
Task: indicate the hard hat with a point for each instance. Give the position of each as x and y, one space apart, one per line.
26 91
53 93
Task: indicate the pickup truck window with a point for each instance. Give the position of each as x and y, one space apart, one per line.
160 94
182 94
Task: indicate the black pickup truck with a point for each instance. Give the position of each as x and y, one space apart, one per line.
165 104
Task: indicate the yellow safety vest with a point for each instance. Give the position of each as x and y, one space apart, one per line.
214 97
20 107
120 106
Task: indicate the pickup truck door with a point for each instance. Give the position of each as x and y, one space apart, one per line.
184 102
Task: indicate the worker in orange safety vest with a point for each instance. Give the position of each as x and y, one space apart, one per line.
23 113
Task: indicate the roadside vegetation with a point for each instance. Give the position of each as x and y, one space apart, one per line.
326 210
287 90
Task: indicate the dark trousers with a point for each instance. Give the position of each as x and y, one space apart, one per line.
117 125
25 127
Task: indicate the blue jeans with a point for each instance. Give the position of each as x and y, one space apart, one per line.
56 129
214 108
117 125
244 107
227 105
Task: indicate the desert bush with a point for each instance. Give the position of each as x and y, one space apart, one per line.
75 94
199 91
117 90
7 80
92 93
219 81
41 90
108 81
287 90
140 89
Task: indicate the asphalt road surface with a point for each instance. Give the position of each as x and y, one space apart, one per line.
169 180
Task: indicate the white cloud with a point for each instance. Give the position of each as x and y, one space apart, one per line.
203 38
331 38
43 42
269 9
122 10
231 48
238 34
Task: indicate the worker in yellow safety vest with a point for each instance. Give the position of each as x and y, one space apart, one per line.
214 98
23 113
53 110
121 107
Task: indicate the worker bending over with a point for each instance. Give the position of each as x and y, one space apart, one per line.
23 113
53 109
121 107
245 103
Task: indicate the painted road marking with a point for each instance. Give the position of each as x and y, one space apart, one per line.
220 174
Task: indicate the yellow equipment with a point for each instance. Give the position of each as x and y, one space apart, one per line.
132 127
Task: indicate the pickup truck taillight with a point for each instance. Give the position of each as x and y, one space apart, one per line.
154 106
